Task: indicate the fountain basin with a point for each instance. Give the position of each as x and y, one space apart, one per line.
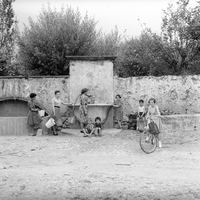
104 111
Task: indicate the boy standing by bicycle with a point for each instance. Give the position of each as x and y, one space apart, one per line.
141 115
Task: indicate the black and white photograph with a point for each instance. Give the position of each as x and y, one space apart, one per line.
99 100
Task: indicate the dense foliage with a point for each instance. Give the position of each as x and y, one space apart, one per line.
174 52
7 36
45 43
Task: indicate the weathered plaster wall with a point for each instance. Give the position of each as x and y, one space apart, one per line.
95 75
43 87
176 93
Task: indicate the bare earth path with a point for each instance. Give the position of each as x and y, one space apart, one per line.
111 167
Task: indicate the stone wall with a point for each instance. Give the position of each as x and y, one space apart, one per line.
176 93
44 87
178 129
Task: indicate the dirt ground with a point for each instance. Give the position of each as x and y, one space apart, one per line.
70 166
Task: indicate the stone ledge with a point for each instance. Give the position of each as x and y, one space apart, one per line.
27 77
13 98
91 58
181 123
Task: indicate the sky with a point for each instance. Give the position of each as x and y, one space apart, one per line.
130 16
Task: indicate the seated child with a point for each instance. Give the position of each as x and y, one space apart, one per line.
98 128
141 115
88 129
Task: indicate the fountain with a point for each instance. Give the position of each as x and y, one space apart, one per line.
96 74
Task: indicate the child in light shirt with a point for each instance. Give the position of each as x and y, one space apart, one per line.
141 115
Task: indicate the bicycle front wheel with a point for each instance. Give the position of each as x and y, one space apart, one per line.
148 142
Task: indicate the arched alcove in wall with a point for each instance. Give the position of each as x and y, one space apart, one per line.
13 116
15 107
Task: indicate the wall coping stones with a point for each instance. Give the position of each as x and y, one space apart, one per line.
27 77
91 58
14 98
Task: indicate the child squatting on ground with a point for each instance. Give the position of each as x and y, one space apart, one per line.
98 128
91 128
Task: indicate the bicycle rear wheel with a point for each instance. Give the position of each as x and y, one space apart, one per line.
148 142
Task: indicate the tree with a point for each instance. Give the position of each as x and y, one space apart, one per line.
7 34
44 45
107 44
143 56
176 51
181 35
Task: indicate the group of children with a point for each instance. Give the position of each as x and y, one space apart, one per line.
96 128
93 129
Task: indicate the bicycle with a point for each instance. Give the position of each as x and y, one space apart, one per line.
148 140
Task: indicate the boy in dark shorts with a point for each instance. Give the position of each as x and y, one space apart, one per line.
98 127
141 116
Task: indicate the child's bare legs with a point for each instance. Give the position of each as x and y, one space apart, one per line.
98 132
83 128
159 140
137 123
147 137
146 129
119 122
142 122
92 131
85 132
